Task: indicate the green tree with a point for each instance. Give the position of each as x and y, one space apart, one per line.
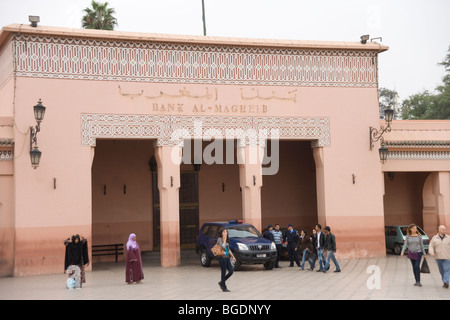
388 98
427 105
99 17
446 64
418 106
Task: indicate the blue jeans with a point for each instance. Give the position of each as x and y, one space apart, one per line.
444 269
225 264
321 259
330 256
305 253
416 266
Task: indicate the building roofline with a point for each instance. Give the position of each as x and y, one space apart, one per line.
6 32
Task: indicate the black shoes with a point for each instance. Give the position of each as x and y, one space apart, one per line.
223 287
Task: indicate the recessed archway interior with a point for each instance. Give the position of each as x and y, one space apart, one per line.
289 196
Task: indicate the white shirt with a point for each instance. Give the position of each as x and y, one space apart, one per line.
318 239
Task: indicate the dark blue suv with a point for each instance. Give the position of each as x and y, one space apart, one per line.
246 243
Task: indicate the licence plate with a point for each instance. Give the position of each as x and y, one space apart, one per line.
261 255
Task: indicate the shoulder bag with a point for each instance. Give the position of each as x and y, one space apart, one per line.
217 250
413 255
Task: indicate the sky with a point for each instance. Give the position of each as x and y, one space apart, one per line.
416 31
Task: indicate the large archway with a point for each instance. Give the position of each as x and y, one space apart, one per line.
122 193
289 196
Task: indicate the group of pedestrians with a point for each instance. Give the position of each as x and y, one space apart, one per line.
77 257
320 245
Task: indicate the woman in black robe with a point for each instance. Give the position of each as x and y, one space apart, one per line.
76 254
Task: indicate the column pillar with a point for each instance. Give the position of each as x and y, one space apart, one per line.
429 212
250 179
443 197
320 185
168 161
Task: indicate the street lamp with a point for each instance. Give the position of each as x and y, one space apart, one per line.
383 151
35 154
376 134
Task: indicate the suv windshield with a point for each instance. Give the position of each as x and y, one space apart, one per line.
243 232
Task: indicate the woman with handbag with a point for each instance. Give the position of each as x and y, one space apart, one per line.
414 244
224 259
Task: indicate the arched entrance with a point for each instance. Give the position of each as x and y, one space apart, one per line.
166 133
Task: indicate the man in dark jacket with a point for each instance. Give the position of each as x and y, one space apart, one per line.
292 238
313 255
268 234
320 244
330 246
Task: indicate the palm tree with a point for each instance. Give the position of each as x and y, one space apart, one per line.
99 17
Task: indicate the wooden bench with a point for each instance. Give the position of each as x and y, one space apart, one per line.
108 250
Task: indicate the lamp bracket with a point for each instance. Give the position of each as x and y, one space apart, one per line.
376 134
33 134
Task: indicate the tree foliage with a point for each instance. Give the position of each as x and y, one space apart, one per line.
427 105
99 17
387 98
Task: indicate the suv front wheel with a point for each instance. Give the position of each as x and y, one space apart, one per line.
269 265
205 260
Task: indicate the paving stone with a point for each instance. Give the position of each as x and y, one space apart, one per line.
190 281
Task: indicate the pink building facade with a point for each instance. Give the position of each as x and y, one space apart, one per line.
157 134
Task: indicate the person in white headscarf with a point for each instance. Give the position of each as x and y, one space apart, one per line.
134 271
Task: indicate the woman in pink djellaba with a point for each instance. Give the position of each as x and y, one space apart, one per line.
134 261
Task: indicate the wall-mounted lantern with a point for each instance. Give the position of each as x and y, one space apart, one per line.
35 154
376 134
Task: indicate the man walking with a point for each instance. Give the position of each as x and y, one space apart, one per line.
320 244
330 246
440 248
277 238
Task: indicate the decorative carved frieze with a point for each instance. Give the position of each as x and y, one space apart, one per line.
406 144
145 61
6 155
419 155
172 129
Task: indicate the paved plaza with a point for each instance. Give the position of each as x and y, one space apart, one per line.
358 280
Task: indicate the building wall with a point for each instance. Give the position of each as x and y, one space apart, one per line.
7 212
45 215
6 218
403 200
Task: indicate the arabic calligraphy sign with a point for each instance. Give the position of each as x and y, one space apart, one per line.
208 100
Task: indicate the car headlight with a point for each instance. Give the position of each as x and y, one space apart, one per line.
273 246
242 246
